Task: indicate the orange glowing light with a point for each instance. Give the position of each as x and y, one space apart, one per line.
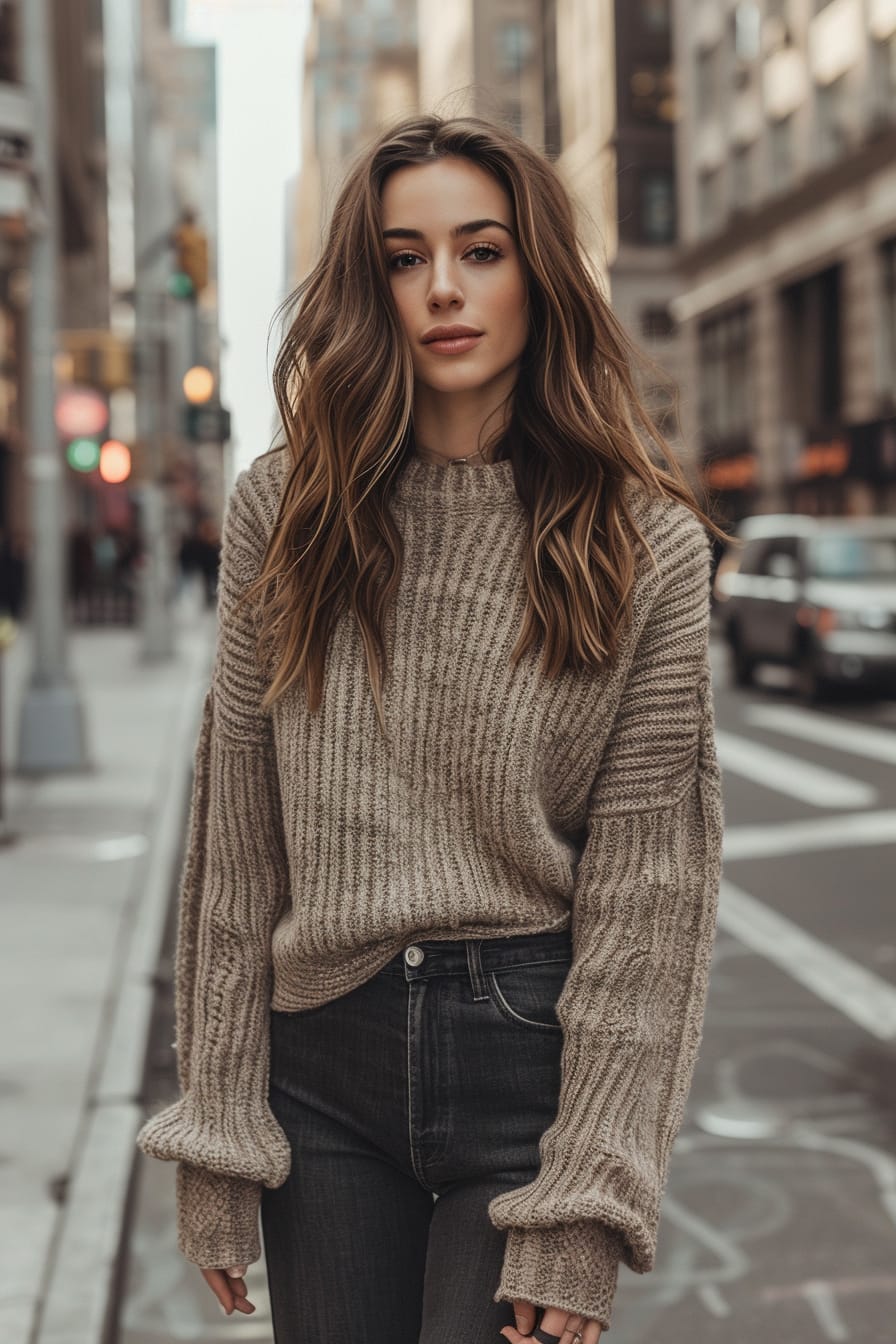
115 461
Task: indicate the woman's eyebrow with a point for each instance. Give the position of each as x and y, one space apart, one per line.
473 227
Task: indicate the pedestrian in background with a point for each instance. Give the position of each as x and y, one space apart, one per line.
449 898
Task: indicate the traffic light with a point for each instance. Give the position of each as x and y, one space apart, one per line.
190 257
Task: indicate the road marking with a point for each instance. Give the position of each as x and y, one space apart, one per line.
858 739
783 773
799 837
858 993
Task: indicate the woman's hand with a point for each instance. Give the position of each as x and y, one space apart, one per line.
555 1321
229 1288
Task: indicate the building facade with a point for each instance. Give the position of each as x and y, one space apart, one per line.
787 201
360 73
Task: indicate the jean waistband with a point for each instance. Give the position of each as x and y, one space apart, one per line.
476 956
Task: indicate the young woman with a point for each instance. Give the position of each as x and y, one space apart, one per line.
448 904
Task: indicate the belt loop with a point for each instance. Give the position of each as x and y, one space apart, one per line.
474 966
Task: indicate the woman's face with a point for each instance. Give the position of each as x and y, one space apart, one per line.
453 261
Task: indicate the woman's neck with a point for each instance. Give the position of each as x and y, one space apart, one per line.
456 427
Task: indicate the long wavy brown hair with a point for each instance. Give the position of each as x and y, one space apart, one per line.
577 429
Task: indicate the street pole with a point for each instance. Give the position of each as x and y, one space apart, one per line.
156 590
51 726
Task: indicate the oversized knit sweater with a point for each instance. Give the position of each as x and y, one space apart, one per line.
505 803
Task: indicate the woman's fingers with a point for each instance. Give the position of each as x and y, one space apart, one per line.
555 1321
231 1292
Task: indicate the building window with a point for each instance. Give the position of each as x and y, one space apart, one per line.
709 201
9 43
811 320
655 16
657 212
657 323
514 44
725 379
707 83
830 121
742 177
780 137
747 26
883 74
888 258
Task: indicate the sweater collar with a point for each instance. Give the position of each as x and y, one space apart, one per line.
455 485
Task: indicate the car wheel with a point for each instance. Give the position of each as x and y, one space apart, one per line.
742 667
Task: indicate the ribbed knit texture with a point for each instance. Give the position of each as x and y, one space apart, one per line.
505 804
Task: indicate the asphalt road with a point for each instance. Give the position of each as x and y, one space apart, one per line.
779 1221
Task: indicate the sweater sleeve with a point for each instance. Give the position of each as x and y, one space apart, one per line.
234 885
643 925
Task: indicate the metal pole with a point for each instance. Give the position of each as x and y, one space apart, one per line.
51 726
156 591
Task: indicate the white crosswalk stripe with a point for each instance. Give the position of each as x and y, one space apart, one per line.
800 837
858 993
857 739
787 774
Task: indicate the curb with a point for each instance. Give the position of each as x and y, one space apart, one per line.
81 1290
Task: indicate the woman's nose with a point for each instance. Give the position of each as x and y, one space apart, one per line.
444 287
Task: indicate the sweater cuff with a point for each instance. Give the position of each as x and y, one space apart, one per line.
574 1266
217 1218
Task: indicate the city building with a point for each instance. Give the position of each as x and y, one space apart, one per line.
786 151
360 73
83 287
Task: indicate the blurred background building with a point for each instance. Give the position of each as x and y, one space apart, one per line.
135 115
786 146
733 161
360 72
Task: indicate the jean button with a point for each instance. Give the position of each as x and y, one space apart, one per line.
414 955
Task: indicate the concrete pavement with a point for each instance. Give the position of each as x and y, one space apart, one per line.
85 885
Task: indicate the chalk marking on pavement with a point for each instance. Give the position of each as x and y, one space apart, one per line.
783 773
858 993
801 837
858 739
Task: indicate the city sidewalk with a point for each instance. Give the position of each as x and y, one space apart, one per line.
85 887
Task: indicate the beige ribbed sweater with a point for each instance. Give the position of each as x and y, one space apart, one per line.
507 804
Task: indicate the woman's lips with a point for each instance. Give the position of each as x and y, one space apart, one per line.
454 345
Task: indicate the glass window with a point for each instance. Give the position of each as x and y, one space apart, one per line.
786 546
707 83
725 377
709 200
9 43
888 259
742 176
830 125
747 26
781 154
514 43
658 206
751 557
655 15
883 73
853 557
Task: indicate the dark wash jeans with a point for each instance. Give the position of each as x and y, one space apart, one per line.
409 1103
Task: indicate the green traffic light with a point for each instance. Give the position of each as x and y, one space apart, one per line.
180 286
83 454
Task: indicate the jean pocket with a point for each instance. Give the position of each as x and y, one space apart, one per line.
527 995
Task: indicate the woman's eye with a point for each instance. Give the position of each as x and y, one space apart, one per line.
401 256
482 252
487 248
